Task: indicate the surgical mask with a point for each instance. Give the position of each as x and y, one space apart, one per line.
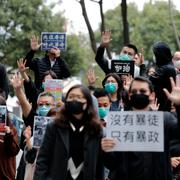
43 85
177 64
43 110
139 101
110 88
103 111
124 57
74 107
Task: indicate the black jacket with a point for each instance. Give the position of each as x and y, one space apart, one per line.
40 66
165 69
144 165
53 156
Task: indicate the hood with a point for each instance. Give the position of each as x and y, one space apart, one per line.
162 53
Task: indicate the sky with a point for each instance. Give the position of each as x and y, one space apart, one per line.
73 12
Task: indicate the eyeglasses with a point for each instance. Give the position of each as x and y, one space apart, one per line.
45 104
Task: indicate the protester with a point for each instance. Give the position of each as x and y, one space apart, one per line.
104 103
45 102
76 129
144 165
51 61
113 85
129 51
9 148
164 70
30 89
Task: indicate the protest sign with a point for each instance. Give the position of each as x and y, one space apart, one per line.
122 67
136 130
50 40
40 123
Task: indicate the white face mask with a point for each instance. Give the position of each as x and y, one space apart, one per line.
136 71
177 64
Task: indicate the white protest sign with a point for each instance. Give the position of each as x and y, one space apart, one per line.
136 130
40 123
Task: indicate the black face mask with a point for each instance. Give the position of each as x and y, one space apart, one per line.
139 101
74 107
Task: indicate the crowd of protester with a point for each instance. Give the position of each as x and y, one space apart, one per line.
75 146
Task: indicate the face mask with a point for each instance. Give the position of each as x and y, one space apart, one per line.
43 110
43 85
124 57
103 111
74 107
110 88
139 101
177 64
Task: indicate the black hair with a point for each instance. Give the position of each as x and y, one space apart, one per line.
45 94
143 79
51 73
132 46
92 123
119 81
100 92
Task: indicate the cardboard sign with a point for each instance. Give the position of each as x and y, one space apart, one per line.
122 67
40 123
136 130
3 118
50 40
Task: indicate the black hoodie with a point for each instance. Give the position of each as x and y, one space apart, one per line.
165 69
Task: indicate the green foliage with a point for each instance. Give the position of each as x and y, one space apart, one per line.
145 27
21 19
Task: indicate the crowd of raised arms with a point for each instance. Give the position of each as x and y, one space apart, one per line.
76 143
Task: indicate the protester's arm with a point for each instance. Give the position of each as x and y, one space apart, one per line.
11 141
101 61
17 84
34 42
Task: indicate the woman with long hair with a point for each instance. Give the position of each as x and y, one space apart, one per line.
71 146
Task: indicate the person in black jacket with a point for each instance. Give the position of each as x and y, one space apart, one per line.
164 70
128 50
51 61
144 165
71 148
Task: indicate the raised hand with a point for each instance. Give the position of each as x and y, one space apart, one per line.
105 38
154 105
35 43
22 65
174 96
16 81
91 76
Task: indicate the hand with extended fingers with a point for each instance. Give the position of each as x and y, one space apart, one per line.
22 65
105 38
154 105
35 43
91 76
174 96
